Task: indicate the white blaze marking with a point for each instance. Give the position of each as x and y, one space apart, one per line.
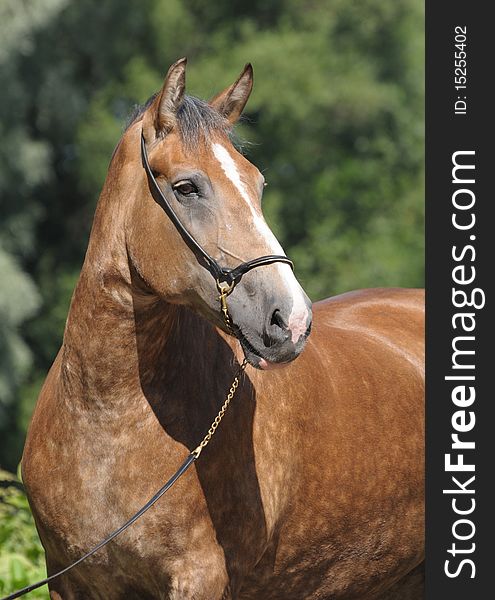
230 169
299 315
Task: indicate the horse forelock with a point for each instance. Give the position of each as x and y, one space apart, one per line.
196 120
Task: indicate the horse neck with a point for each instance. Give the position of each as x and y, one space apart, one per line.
122 340
121 343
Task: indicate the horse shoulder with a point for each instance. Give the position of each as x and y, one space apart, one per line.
35 465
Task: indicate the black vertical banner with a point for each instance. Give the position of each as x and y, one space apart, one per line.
460 238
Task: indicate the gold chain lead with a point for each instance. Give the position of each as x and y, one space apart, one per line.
225 289
233 388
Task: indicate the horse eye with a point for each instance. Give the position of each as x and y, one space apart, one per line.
186 188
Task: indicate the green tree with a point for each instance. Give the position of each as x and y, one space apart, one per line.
24 165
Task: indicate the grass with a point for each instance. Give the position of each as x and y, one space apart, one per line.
22 558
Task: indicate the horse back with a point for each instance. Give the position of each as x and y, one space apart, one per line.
395 315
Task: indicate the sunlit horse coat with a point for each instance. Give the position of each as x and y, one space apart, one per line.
312 487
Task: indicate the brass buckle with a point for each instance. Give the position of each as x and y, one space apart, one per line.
225 289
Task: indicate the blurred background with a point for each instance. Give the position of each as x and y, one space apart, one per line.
335 122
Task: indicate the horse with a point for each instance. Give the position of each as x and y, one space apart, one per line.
312 487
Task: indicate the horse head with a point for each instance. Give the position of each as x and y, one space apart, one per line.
215 193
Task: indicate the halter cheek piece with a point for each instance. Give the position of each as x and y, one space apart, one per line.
226 278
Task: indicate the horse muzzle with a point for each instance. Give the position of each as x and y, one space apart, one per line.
281 339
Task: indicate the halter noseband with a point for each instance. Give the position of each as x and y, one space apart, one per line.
222 275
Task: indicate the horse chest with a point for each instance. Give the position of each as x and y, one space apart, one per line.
206 533
262 514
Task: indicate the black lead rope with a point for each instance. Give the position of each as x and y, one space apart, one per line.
180 471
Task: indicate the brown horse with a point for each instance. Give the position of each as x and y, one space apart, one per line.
312 487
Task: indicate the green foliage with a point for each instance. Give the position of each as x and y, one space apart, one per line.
18 301
24 167
21 554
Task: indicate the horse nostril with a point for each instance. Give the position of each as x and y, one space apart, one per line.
277 319
276 331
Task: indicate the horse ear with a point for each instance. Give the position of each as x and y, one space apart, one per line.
231 102
161 115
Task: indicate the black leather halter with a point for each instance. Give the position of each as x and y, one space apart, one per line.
221 274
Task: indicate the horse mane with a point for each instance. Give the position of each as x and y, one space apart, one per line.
197 121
